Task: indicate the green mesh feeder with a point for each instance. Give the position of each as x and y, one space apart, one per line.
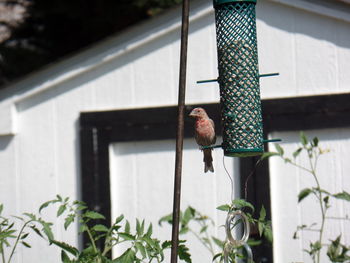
239 77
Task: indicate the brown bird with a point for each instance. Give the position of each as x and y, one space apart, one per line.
204 135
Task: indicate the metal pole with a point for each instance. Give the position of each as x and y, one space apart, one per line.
180 132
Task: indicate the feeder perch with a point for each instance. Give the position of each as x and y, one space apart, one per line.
239 77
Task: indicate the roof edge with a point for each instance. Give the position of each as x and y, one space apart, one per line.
101 52
332 9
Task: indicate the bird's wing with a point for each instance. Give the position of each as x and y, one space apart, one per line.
213 124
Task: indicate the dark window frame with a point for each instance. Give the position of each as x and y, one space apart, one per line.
99 129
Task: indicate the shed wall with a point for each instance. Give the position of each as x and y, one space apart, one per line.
310 51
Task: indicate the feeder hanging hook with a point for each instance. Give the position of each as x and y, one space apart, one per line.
232 243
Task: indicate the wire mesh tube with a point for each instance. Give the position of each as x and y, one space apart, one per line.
239 77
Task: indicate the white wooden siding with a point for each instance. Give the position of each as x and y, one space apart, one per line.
142 176
286 183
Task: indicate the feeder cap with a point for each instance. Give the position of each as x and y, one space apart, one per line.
221 2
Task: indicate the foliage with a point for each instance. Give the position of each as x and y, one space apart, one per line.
52 29
336 251
142 247
10 237
195 223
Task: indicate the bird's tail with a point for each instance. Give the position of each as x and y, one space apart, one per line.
208 161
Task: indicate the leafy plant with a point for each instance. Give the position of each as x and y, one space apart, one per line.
336 251
195 223
261 223
10 237
142 246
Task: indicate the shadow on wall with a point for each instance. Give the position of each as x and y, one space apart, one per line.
121 61
5 141
302 22
335 134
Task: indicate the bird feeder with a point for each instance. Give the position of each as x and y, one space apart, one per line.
239 77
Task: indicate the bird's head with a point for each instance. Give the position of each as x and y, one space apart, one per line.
198 113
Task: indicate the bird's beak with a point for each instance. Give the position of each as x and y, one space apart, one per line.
192 114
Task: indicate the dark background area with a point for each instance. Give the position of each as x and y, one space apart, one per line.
37 32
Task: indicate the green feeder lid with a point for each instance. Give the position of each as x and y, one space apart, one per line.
221 2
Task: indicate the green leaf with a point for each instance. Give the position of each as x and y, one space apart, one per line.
279 149
343 195
268 233
149 241
31 216
66 247
326 200
126 236
149 230
253 242
1 208
36 230
297 152
61 209
262 215
46 204
25 244
260 228
315 142
69 219
240 203
127 257
268 155
224 207
184 254
218 242
119 219
304 193
81 207
140 227
203 229
303 139
100 228
188 215
168 219
64 257
338 252
184 230
47 229
166 244
218 255
83 228
24 235
141 248
127 227
93 215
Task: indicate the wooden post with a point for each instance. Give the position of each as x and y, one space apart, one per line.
180 131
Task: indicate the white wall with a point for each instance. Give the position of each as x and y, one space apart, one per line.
310 51
286 183
140 69
142 176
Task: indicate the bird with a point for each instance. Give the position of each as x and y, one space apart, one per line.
204 135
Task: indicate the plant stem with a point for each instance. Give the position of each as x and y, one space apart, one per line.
320 200
92 243
203 243
17 239
2 253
